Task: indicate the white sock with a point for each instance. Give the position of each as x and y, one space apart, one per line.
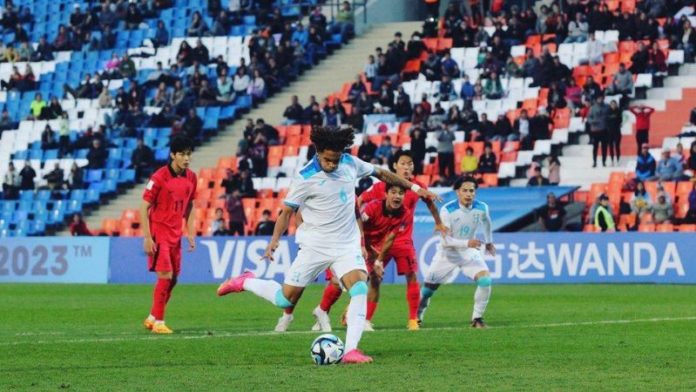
151 318
357 309
266 289
481 297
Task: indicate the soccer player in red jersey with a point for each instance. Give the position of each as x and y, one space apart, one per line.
168 198
402 251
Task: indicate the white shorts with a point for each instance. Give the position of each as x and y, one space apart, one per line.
309 263
443 268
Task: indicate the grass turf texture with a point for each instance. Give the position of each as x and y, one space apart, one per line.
91 338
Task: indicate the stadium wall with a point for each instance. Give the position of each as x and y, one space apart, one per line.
522 258
388 11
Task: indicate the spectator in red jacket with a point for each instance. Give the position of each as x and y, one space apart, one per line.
642 114
79 227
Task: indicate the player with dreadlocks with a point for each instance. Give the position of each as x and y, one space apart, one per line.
329 236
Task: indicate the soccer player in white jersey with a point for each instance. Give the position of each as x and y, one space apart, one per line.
461 250
329 236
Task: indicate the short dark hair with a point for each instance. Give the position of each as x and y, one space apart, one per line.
390 186
266 212
463 179
331 138
180 143
397 155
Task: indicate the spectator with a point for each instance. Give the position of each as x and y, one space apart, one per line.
469 162
597 120
642 114
108 39
384 151
521 127
445 153
622 83
37 106
193 126
54 178
367 149
645 164
257 87
241 182
690 217
657 61
27 175
293 113
198 27
11 183
75 177
127 67
540 127
97 155
269 132
25 51
662 210
552 215
200 53
207 94
184 56
235 211
691 162
554 170
224 88
48 138
603 218
258 152
641 201
142 159
6 122
370 69
344 22
162 96
493 88
668 169
577 30
78 227
487 162
241 81
692 117
356 89
614 120
133 17
161 37
44 50
502 130
537 179
218 226
265 225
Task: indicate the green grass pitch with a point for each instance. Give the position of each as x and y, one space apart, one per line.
542 337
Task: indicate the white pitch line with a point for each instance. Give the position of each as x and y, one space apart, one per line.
224 335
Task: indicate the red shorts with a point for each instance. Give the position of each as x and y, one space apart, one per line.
167 258
404 257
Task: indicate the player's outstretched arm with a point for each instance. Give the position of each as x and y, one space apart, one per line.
148 242
439 225
281 226
393 179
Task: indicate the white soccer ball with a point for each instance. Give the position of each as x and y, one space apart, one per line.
327 349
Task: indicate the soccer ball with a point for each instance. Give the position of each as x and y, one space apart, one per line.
327 349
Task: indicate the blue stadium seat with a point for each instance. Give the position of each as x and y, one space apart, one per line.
126 176
39 227
9 206
21 155
26 196
91 197
228 112
20 216
43 195
109 187
162 154
74 206
94 175
56 217
111 174
77 194
41 216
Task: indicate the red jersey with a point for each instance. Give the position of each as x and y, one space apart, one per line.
378 222
642 117
171 196
378 191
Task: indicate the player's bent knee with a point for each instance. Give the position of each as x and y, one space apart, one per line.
427 292
359 288
484 281
281 301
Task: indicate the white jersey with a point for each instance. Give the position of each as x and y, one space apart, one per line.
328 204
463 223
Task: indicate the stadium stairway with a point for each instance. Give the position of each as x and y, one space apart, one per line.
321 81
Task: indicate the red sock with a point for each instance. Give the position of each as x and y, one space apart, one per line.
330 296
413 298
371 307
159 298
289 310
170 288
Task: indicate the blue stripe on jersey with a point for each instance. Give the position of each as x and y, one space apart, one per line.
291 204
452 206
311 169
346 158
477 205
